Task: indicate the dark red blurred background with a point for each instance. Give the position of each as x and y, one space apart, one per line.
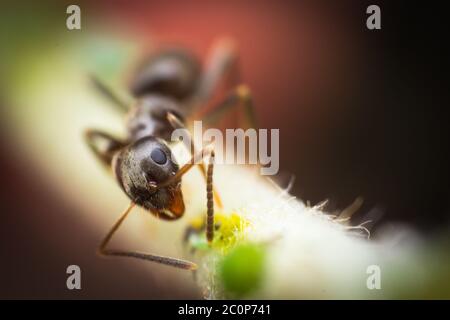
360 113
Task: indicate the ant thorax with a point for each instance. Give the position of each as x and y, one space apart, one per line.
148 117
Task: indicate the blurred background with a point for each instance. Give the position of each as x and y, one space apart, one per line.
361 114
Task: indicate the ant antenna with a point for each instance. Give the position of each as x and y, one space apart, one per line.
177 124
102 250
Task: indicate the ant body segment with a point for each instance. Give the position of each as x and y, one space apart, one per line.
168 88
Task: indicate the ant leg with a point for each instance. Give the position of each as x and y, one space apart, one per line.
221 66
108 93
209 185
102 250
102 145
241 96
177 124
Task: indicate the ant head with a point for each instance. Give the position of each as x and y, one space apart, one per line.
172 72
141 168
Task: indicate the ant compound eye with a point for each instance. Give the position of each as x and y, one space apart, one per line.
158 156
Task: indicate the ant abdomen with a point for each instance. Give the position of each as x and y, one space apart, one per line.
173 73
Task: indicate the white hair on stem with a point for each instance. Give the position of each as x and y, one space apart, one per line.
309 253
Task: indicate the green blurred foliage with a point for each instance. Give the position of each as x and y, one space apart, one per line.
242 270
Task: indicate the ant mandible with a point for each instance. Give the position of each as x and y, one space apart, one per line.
169 88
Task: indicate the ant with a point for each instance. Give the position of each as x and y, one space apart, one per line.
168 88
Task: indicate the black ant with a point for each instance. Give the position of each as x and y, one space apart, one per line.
168 88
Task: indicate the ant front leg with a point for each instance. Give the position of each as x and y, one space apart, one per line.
108 93
102 145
